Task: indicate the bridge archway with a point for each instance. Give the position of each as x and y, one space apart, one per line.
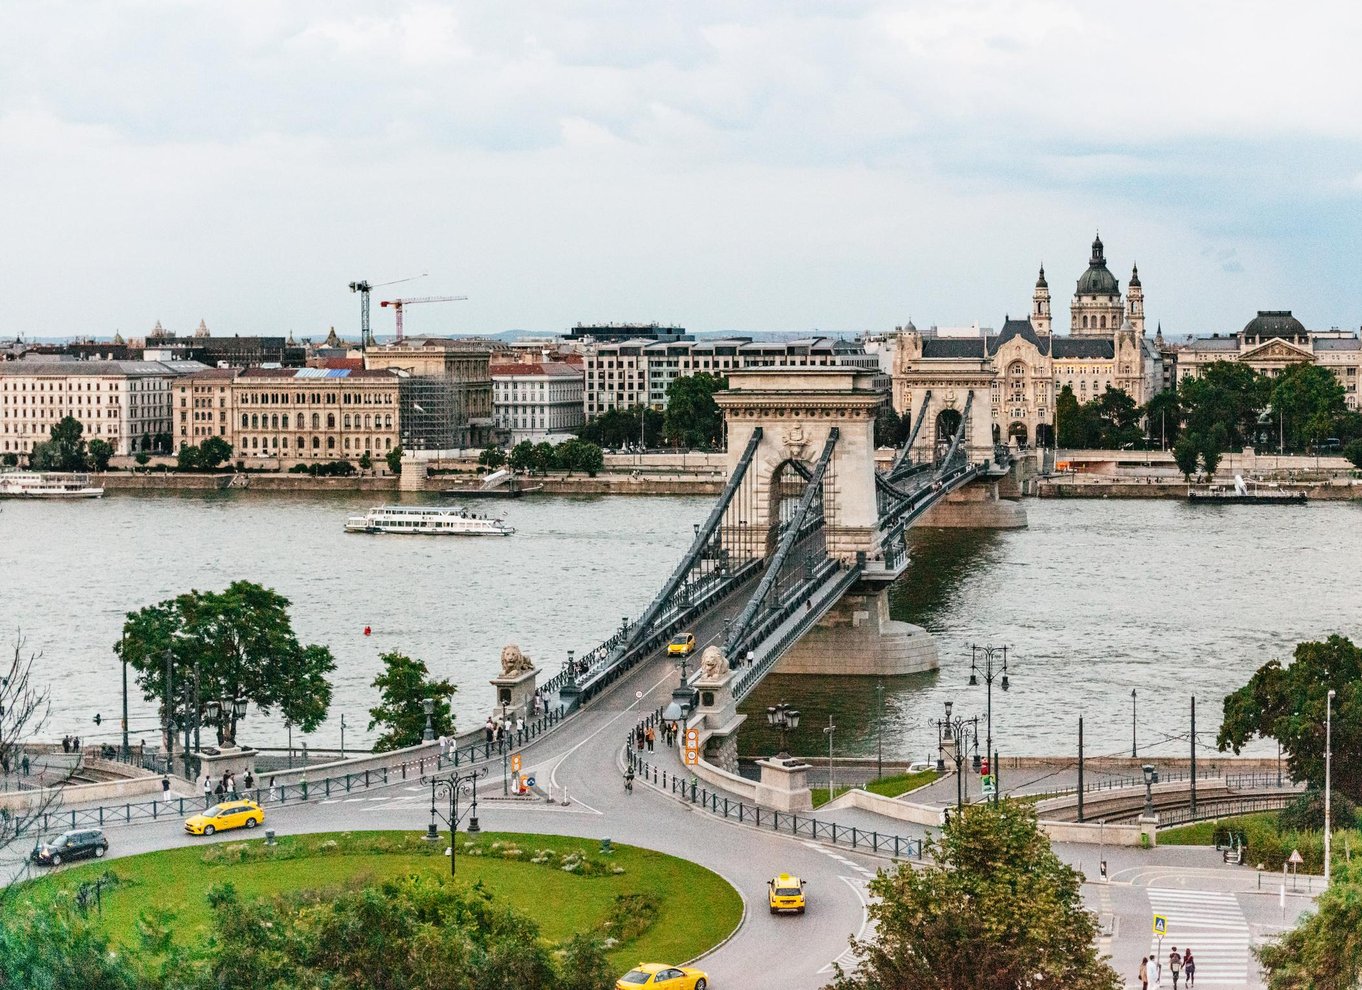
1017 434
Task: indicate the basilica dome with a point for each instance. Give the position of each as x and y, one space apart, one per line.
1098 279
1271 323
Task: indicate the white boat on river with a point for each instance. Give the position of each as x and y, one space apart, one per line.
427 520
47 484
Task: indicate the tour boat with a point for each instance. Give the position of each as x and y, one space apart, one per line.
47 484
426 520
1243 494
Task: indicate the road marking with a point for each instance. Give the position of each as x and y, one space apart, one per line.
1212 925
847 960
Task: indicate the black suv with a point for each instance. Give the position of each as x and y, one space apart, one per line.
71 845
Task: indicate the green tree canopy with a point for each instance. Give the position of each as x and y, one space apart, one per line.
1185 454
890 428
545 457
214 452
617 428
1110 421
403 686
1163 416
1226 394
394 459
958 923
64 450
693 418
1323 952
1287 703
189 457
579 455
522 456
100 452
1308 405
492 457
242 644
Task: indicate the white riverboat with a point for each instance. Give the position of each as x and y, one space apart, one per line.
427 520
47 484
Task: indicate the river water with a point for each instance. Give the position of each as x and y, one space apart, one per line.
1094 599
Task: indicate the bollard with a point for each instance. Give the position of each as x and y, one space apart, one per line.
269 837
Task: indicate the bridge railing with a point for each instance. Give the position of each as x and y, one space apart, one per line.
1213 808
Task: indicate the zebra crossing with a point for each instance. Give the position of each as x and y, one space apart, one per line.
1212 925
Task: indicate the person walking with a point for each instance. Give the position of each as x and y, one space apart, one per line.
250 780
444 745
1144 973
651 737
207 789
273 794
751 657
1175 965
165 788
1189 968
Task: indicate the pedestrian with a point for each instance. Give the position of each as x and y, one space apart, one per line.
638 737
219 790
273 796
1144 973
23 765
651 737
1189 968
229 784
489 730
1175 965
444 746
207 789
250 779
676 732
165 788
751 657
66 744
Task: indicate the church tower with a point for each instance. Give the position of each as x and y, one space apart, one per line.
1135 301
1040 305
1097 309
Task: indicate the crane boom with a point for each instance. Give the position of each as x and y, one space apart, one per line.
399 304
363 287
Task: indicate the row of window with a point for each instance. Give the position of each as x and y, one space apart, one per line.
315 398
258 443
275 421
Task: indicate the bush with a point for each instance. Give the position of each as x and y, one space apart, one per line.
299 469
1353 452
1306 813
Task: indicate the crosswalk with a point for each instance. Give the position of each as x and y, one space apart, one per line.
1212 925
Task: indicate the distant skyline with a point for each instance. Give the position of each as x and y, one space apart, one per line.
771 166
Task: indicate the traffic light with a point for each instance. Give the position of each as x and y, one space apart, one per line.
98 718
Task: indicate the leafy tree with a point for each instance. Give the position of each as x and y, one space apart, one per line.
1323 952
1227 394
10 460
100 452
1353 452
402 687
1077 424
890 428
579 455
954 925
244 646
142 458
162 443
693 418
1212 446
621 427
545 457
189 458
1288 704
366 462
64 450
1185 454
51 945
492 457
1163 415
1119 418
522 456
394 459
1311 401
145 442
214 452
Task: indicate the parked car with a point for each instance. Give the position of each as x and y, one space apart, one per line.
221 817
76 844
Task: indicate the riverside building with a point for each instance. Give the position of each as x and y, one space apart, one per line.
535 399
446 392
127 404
307 414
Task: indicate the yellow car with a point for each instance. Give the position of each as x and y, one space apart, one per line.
662 977
787 894
229 814
682 644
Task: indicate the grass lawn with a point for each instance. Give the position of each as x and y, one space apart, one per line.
893 786
696 908
1202 833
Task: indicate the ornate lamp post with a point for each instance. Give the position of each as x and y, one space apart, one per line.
1151 777
451 788
1328 760
428 704
988 654
958 732
783 718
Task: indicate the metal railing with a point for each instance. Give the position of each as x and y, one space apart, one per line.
1209 809
1238 780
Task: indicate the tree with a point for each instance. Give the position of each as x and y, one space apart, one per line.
99 454
68 444
214 452
1163 416
889 427
579 455
1119 419
617 427
1212 446
1310 401
366 462
402 687
1353 452
954 925
162 443
394 459
1076 424
522 456
693 418
1288 704
492 457
1323 952
545 457
189 458
10 460
1185 454
239 643
1227 394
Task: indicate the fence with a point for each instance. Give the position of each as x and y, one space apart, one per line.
1227 808
1239 780
688 788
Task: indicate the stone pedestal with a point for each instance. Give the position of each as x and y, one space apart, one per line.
413 476
513 693
784 784
857 636
976 506
1149 825
217 762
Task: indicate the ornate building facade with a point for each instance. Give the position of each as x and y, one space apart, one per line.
1017 374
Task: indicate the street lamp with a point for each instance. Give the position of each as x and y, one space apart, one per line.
505 750
429 705
990 653
828 731
879 730
1133 754
958 731
783 718
1328 759
1151 777
451 787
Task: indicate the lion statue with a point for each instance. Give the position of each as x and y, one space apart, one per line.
513 661
713 664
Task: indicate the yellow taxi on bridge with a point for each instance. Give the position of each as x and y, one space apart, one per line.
221 817
683 644
786 894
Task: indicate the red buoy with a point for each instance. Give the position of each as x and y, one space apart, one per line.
367 630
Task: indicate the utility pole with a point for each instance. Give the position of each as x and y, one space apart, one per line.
1133 754
1193 756
828 732
879 730
167 728
124 656
1328 760
1080 768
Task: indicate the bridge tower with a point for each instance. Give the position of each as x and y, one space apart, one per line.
797 411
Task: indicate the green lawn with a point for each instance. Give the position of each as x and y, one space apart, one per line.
696 908
886 786
1202 833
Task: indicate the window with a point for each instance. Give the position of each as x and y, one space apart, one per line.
330 421
330 443
316 425
316 443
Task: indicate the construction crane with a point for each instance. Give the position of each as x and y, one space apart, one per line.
397 305
364 288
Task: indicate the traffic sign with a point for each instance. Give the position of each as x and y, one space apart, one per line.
529 781
692 738
692 757
515 763
988 785
1160 925
1295 859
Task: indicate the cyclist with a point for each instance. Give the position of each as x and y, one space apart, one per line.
629 781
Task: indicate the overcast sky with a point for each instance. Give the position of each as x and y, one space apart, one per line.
766 166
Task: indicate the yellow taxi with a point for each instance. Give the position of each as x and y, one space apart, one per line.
786 894
683 644
661 976
228 814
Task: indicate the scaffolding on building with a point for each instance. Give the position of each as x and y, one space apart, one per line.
434 413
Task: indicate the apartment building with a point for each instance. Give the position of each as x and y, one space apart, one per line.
532 399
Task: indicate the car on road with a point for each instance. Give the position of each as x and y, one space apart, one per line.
221 817
662 976
76 844
786 894
682 644
920 766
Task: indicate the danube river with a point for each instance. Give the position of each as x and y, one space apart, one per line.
1095 598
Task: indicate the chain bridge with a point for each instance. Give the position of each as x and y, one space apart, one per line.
791 568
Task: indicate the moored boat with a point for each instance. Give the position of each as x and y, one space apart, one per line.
47 484
427 520
1244 493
